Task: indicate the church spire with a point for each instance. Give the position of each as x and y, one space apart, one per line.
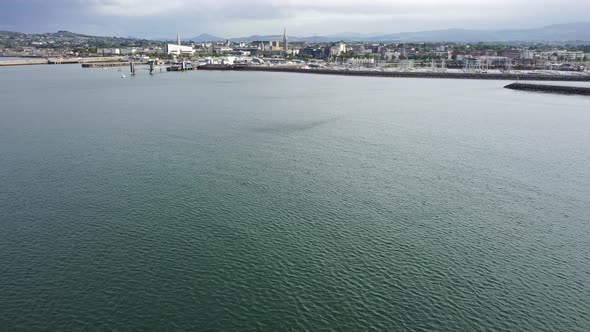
285 41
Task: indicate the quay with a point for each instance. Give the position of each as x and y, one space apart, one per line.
23 62
402 74
569 90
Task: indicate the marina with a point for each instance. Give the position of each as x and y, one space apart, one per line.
274 65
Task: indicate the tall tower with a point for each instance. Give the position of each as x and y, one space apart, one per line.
285 42
178 39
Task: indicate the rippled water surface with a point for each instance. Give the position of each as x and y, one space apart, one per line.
271 201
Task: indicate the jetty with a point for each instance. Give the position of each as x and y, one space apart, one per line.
408 74
569 90
111 64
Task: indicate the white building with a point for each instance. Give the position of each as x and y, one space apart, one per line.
361 61
108 51
338 49
561 55
527 54
443 54
179 49
571 55
222 49
390 55
129 51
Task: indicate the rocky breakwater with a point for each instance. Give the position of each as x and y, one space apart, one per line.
570 90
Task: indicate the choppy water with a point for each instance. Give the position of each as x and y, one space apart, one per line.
267 201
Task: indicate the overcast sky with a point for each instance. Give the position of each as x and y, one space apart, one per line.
234 18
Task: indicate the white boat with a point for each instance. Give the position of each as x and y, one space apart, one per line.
122 75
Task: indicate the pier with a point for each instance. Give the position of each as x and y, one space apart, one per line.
60 61
27 62
112 64
569 90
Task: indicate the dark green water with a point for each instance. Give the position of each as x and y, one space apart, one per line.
267 201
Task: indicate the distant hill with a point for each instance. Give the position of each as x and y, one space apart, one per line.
205 37
313 39
556 33
257 37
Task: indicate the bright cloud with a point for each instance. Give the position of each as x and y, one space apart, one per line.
157 18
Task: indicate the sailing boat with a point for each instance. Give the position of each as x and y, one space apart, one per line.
122 75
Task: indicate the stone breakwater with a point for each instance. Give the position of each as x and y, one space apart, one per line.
476 76
570 90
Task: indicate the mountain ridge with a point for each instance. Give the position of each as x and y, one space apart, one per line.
578 31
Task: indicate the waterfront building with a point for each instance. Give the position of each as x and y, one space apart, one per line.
222 50
313 52
129 51
487 62
512 54
571 55
356 50
178 49
338 49
391 55
275 45
443 54
108 51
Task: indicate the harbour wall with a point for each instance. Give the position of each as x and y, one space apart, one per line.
476 76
